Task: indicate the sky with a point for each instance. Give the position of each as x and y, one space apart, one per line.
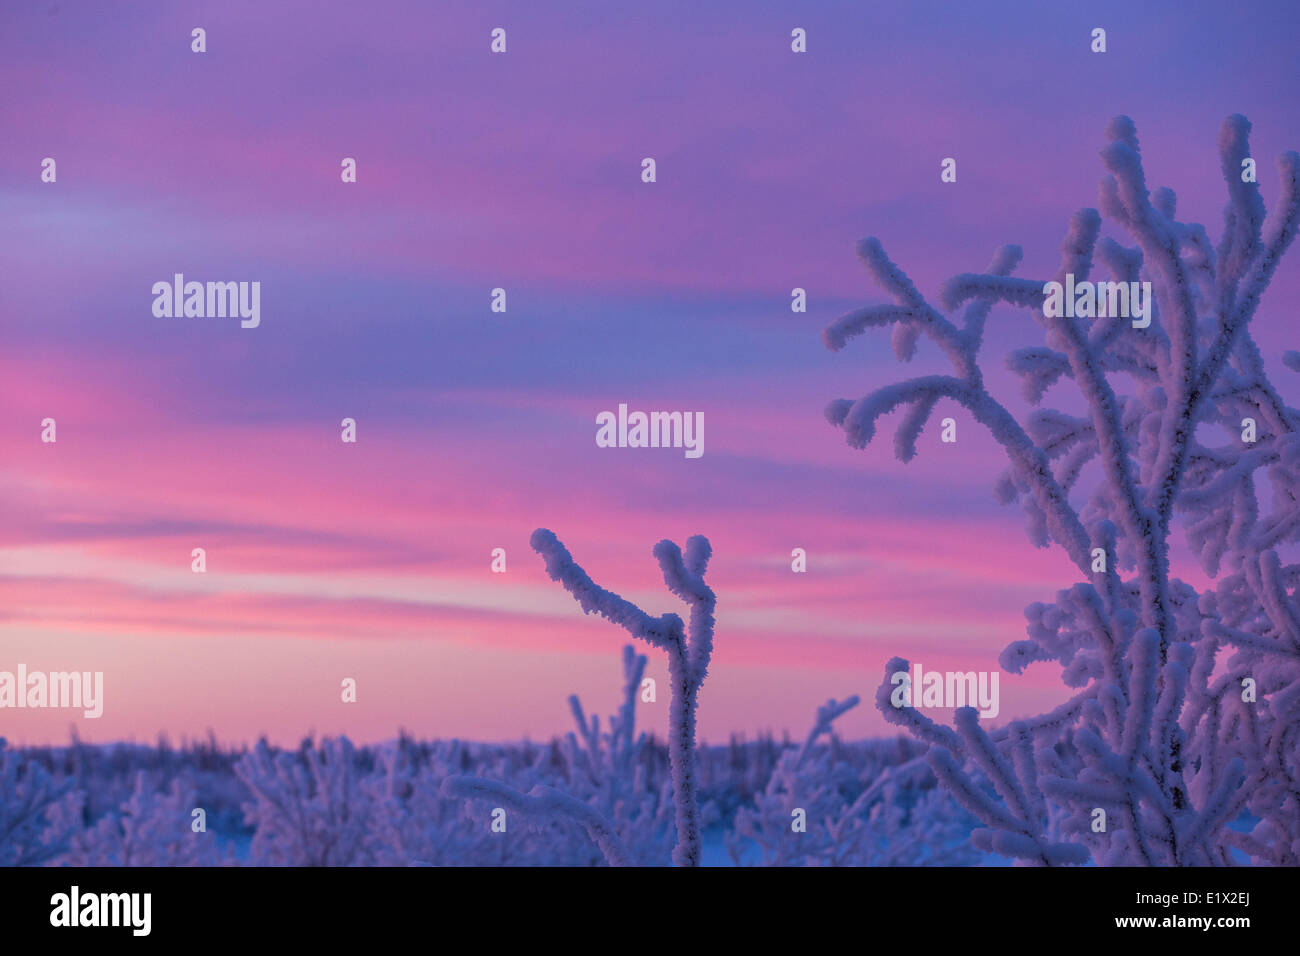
372 560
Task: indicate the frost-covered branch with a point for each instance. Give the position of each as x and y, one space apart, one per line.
688 654
545 803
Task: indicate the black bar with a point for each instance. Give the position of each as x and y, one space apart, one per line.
247 904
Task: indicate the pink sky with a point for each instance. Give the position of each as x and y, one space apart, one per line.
372 561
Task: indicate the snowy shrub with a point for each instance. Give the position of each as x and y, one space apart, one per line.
38 813
614 772
688 649
309 808
410 823
861 812
414 823
1187 706
603 792
615 789
151 829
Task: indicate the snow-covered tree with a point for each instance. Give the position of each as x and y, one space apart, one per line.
1176 741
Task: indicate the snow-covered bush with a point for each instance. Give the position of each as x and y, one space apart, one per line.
614 787
151 829
415 823
614 772
688 647
410 823
309 808
1171 738
38 813
599 793
868 811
